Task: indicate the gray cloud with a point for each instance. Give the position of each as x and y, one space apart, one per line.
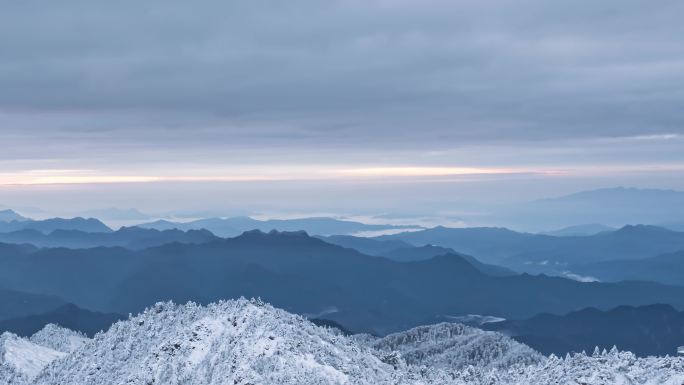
372 81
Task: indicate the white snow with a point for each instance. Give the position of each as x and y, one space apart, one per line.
454 346
75 342
205 332
310 363
58 338
248 342
27 357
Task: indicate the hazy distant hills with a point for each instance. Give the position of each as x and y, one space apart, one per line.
91 225
537 253
129 237
610 206
666 268
68 316
403 252
580 230
230 227
421 253
629 242
580 256
413 253
370 246
581 213
643 330
10 215
113 213
489 244
15 304
675 226
308 276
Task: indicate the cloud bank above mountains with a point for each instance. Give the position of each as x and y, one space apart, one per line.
249 91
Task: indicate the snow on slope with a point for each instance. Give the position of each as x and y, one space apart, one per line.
23 359
614 368
248 342
455 346
232 342
58 338
607 368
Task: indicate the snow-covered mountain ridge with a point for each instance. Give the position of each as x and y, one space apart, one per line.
249 342
456 346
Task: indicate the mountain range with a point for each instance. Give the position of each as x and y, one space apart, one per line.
537 253
666 268
370 246
615 207
46 226
581 213
8 215
308 276
422 253
230 227
129 237
580 230
52 270
632 252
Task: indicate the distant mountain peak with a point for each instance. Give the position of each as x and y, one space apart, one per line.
275 233
9 215
622 190
234 226
641 229
454 261
580 230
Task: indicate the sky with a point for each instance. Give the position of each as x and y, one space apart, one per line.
349 107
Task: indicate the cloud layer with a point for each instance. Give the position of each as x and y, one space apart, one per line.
148 89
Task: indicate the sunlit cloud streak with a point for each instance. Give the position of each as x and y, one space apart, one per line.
308 173
47 177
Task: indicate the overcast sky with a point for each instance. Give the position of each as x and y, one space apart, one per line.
336 106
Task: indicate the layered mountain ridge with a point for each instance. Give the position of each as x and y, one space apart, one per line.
306 275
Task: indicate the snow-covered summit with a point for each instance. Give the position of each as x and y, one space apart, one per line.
249 342
58 338
454 346
231 342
